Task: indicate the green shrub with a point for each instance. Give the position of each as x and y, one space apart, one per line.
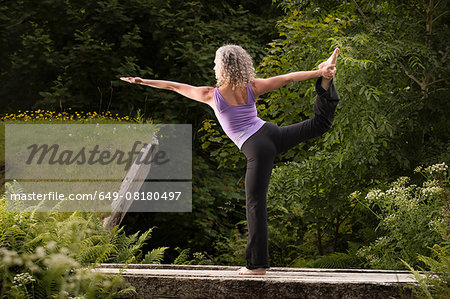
412 219
55 254
51 272
308 216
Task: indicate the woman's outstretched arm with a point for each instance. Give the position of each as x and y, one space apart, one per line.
202 94
326 70
262 86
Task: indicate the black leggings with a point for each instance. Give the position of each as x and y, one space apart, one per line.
261 150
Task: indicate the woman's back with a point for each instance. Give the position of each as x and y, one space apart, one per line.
234 97
237 113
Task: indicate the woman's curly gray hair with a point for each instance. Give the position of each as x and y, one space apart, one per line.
235 66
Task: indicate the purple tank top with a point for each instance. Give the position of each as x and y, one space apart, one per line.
240 121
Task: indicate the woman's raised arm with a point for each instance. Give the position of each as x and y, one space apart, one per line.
202 94
262 86
327 70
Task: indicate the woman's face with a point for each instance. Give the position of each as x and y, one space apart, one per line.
216 68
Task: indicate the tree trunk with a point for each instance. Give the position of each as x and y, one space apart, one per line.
132 183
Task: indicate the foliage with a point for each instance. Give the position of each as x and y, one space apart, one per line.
434 283
185 258
47 116
66 54
46 254
337 260
385 120
49 272
220 147
412 219
128 249
218 202
230 246
308 219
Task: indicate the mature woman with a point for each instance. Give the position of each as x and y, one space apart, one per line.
233 101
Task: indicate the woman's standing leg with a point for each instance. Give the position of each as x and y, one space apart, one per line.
260 150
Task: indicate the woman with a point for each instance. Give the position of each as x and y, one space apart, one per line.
233 101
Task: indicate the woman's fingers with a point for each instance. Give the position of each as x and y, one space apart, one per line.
127 79
329 71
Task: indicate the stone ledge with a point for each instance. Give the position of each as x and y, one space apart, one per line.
189 281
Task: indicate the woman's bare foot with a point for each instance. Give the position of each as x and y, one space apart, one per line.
334 56
331 60
329 69
245 271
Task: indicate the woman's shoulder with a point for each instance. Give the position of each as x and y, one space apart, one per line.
254 87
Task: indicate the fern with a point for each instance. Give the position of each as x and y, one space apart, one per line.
436 282
155 256
56 247
124 252
423 286
128 248
182 257
99 253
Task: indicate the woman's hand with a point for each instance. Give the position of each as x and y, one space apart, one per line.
202 94
135 80
327 71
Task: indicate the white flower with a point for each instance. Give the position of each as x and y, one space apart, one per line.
402 181
374 194
51 245
9 257
437 224
431 183
429 191
23 279
39 252
437 168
